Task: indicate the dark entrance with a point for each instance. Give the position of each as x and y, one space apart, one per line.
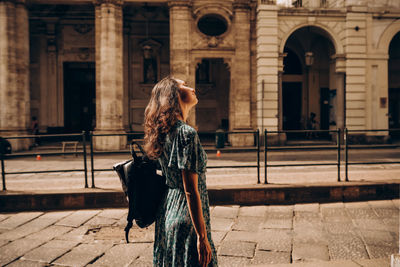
212 86
291 94
394 86
79 96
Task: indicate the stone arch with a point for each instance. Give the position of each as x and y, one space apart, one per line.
332 36
387 36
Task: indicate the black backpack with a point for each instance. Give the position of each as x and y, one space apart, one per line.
143 188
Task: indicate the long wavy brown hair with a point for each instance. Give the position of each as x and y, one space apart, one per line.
160 115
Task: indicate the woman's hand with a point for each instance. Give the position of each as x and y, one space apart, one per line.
204 251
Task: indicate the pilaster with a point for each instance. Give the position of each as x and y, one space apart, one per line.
269 63
356 50
14 72
109 74
180 26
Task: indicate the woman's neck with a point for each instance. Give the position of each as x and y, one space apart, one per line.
185 113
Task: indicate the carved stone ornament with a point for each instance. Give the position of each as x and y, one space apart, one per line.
83 28
114 2
213 41
84 53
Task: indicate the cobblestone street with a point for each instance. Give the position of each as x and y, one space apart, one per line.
252 235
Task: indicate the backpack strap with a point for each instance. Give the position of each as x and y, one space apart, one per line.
129 218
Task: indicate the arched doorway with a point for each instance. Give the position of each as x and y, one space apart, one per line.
212 86
308 85
394 85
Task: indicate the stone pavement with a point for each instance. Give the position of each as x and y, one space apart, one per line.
334 234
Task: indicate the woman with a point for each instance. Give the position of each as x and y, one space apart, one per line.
182 232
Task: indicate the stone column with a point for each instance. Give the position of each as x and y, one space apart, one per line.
240 93
269 63
179 25
14 72
109 74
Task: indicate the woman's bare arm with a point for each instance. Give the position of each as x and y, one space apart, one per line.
196 213
194 203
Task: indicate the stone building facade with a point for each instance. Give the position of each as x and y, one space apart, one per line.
91 64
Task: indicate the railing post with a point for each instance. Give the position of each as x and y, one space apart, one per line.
265 157
258 155
3 173
84 157
346 155
91 158
338 154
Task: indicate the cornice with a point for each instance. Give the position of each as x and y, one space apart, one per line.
113 2
180 3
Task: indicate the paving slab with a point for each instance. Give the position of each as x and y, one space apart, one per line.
362 213
379 251
121 255
114 213
307 207
78 218
83 254
387 204
77 234
250 224
253 211
270 257
224 261
100 221
309 252
28 228
278 223
275 240
382 262
26 263
49 233
218 236
50 251
221 224
371 224
281 209
380 238
237 249
17 219
387 212
229 212
339 228
248 236
346 247
3 242
16 249
4 216
145 258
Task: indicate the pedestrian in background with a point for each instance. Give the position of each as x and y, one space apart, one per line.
182 230
35 130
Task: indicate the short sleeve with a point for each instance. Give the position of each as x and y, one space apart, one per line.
187 152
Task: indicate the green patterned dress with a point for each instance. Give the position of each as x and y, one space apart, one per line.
175 242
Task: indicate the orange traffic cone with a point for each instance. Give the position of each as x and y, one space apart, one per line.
38 157
218 153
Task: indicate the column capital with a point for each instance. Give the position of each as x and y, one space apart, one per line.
113 2
180 3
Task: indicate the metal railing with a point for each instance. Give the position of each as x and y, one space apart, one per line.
81 137
298 147
257 148
365 146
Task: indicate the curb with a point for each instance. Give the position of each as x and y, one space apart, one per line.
227 195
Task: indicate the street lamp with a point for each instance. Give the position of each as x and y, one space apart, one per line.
309 57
